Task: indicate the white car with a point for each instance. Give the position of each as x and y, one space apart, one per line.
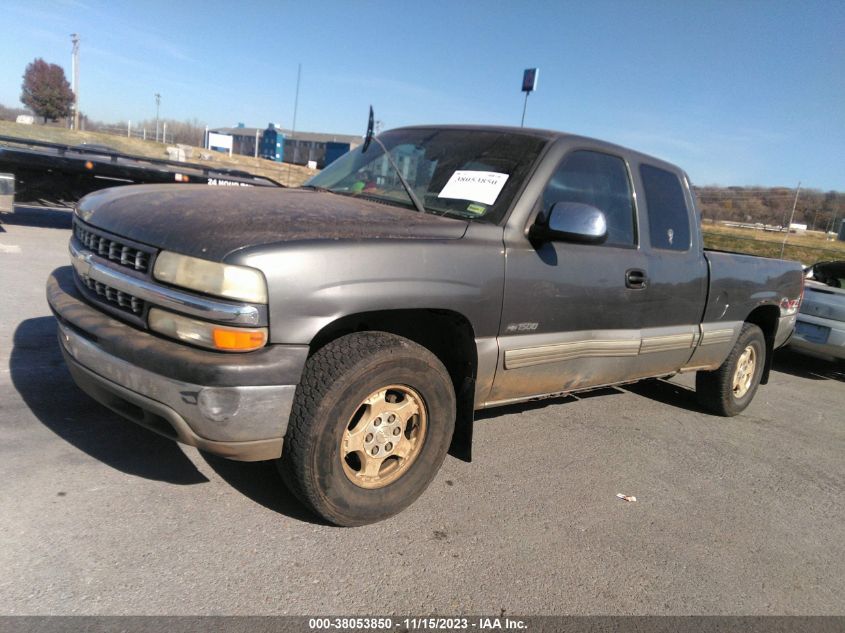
820 330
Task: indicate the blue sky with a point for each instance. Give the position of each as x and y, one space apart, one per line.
737 93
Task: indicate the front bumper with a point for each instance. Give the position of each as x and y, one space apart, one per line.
233 405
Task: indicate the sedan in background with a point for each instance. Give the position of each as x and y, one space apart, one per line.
820 330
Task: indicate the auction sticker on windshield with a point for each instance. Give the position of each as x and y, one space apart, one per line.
478 186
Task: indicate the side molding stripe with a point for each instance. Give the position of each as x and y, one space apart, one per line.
514 359
668 343
698 337
716 337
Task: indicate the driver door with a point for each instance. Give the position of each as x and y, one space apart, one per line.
572 313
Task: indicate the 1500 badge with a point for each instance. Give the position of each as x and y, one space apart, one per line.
522 327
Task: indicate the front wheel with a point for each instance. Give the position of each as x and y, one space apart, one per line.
371 423
729 389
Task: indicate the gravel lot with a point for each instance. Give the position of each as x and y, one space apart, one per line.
740 516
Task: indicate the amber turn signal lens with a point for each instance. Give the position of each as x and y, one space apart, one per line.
239 341
206 334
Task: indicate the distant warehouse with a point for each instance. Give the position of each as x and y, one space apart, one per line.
279 144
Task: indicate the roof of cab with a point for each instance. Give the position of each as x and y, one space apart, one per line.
552 135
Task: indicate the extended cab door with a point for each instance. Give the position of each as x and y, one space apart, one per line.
572 313
584 315
676 288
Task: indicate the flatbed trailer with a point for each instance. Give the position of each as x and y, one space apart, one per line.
59 175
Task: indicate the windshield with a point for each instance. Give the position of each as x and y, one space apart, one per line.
472 174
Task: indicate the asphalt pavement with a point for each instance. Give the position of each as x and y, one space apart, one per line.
733 516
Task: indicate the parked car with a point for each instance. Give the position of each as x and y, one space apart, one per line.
820 330
350 333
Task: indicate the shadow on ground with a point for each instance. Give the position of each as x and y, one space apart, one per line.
667 393
788 362
261 482
39 374
45 217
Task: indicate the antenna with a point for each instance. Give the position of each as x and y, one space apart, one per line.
293 128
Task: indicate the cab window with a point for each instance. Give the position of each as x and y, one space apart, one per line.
668 218
600 180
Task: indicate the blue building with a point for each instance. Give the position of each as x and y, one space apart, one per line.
272 144
278 144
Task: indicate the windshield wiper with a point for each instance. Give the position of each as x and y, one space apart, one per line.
320 189
417 204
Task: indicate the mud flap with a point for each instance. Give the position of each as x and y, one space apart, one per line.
461 446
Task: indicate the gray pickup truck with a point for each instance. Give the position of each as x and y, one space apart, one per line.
350 328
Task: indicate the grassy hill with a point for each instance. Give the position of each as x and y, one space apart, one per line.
284 173
806 248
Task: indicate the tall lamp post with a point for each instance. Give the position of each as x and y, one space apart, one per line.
529 85
74 62
158 103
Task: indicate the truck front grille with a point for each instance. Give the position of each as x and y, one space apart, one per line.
112 249
115 297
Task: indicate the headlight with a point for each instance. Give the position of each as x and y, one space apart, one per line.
205 334
222 280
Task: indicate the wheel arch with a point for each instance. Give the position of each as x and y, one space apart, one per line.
449 335
766 318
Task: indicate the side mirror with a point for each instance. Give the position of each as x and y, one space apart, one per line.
572 222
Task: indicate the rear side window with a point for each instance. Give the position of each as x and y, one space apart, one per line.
600 180
668 218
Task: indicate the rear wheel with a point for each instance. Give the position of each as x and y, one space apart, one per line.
729 389
371 424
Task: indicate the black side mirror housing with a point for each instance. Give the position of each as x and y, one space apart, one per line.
571 222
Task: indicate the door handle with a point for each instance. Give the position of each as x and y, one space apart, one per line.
636 279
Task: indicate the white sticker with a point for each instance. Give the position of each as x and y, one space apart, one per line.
478 186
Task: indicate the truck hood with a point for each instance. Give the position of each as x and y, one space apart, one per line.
210 222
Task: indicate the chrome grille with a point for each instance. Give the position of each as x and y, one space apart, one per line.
116 297
112 249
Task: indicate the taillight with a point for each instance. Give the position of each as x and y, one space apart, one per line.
788 307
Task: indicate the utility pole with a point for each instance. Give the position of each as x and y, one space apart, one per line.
791 217
158 103
74 64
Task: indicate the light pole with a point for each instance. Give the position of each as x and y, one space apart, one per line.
529 85
158 103
791 218
74 63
